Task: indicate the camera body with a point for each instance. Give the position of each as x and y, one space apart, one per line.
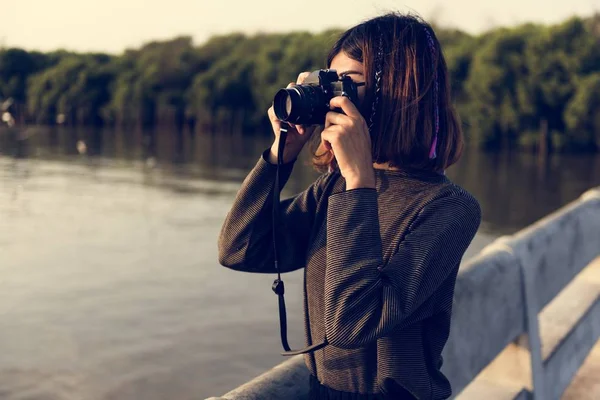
307 104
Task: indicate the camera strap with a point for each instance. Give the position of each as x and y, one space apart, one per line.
278 286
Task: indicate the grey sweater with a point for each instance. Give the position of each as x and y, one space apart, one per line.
380 268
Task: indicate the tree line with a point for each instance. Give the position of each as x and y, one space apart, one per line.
531 86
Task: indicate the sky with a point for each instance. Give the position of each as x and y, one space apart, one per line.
114 25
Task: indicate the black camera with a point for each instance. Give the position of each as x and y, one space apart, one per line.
308 103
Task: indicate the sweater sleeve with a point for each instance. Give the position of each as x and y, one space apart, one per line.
246 238
364 299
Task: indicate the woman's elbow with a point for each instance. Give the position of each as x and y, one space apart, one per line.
225 260
231 256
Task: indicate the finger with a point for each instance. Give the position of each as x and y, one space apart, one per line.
323 148
327 144
297 128
302 77
331 134
276 121
271 114
290 85
335 118
346 105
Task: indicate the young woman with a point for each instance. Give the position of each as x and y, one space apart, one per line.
382 232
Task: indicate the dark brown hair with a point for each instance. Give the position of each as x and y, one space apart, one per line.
404 121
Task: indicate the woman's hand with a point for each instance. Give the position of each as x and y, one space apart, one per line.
297 135
348 136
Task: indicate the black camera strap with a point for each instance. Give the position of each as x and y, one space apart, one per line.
278 287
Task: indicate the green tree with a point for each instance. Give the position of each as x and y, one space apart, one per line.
582 115
152 81
16 66
77 87
507 83
496 78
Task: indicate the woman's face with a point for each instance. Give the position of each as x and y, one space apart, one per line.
345 65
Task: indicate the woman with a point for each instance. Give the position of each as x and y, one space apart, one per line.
382 233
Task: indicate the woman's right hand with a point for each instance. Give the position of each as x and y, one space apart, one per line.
297 135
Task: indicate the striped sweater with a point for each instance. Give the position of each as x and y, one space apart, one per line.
380 268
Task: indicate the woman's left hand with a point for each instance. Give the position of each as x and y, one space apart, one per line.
348 136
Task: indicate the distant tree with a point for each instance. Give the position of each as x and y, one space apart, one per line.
16 66
151 83
582 115
77 87
494 85
510 86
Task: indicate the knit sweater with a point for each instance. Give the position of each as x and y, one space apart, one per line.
380 266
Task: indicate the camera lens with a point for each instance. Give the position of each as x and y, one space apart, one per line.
283 103
298 105
288 105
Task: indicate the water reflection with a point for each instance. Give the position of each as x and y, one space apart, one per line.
514 189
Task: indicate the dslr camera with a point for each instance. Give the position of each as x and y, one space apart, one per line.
307 104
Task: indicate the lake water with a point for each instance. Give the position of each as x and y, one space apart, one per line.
109 282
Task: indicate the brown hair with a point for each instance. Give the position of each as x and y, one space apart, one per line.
404 121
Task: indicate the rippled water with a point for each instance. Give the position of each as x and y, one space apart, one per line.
109 281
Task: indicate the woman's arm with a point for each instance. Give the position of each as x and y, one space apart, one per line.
365 300
246 238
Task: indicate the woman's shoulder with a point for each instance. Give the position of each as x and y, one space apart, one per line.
454 198
453 189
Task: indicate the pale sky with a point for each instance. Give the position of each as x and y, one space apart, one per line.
113 25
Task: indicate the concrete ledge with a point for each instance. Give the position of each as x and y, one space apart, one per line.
570 326
504 378
481 328
510 372
565 310
556 248
563 364
489 390
586 385
288 380
592 194
524 395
